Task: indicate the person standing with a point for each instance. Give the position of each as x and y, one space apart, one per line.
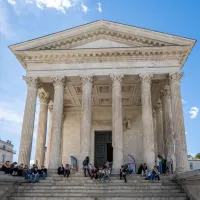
123 174
86 166
159 164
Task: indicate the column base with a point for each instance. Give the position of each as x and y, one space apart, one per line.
115 171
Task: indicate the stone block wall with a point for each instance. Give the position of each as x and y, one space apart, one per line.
102 120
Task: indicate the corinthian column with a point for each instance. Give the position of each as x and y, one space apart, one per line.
178 123
49 132
155 133
28 121
55 148
147 120
86 118
159 128
167 124
117 123
42 127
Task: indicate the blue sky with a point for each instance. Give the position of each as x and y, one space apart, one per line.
21 20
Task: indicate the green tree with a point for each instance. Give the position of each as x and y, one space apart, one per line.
197 156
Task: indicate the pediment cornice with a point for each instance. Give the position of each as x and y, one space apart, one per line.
101 55
102 33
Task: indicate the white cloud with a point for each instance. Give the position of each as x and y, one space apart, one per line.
194 112
60 5
84 8
99 7
12 2
8 113
186 133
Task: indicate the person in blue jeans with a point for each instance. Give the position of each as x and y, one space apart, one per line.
154 174
43 172
34 175
26 172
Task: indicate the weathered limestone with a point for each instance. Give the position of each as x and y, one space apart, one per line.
155 133
159 128
178 123
147 120
55 151
167 125
42 127
50 106
28 121
86 118
117 123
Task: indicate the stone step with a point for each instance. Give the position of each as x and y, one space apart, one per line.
63 183
99 186
88 194
98 190
97 198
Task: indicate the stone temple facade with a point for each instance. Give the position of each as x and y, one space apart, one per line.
111 90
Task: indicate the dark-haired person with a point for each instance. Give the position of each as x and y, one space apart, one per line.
123 173
61 170
86 166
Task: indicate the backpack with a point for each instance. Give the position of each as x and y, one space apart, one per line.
84 162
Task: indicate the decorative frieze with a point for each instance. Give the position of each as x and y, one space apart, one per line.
97 55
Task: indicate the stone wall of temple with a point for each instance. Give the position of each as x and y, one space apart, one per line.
102 121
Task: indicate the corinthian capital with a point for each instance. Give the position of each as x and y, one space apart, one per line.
166 92
145 79
86 79
158 105
50 106
43 96
31 81
115 77
175 77
59 81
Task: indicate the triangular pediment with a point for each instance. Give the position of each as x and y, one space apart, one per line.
103 43
102 34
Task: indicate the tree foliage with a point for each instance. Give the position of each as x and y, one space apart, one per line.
197 156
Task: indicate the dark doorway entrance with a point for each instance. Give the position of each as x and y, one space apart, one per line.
103 147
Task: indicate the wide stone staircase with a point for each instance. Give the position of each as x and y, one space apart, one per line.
78 187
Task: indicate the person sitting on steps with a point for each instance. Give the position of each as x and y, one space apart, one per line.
67 170
61 170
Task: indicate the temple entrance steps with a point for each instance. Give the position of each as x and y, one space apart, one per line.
75 188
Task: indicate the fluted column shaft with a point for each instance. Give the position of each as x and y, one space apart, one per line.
147 120
159 128
49 133
42 128
167 124
178 123
55 147
28 121
86 118
117 123
155 133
